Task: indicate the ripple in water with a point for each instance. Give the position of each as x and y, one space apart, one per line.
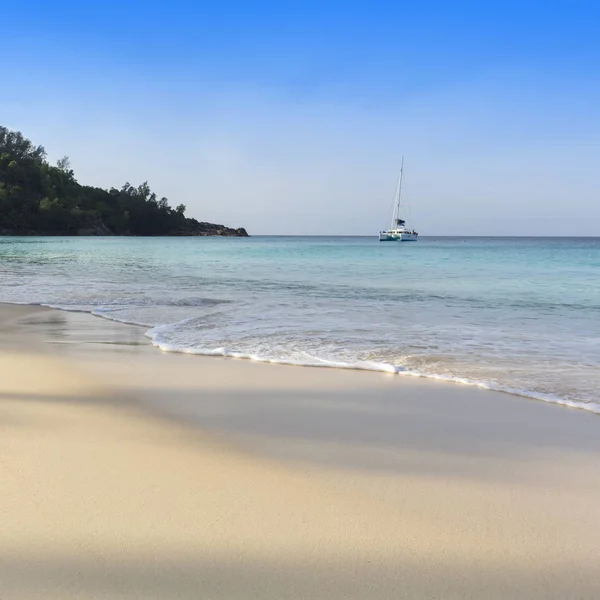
520 315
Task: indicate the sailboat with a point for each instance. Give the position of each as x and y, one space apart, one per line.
398 232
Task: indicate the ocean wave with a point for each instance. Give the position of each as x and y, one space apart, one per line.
344 292
191 302
155 334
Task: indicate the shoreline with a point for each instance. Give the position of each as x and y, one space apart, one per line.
591 407
110 350
130 473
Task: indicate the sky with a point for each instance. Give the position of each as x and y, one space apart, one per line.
291 117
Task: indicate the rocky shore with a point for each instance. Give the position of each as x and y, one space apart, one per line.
190 228
193 227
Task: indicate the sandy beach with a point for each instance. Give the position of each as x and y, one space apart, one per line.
129 473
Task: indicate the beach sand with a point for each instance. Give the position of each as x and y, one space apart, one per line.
129 473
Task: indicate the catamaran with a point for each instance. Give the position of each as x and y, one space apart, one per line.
398 232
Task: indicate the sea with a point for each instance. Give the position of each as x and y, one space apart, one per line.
520 315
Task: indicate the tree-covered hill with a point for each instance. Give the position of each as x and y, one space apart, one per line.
37 198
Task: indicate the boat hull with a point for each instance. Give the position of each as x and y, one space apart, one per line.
398 237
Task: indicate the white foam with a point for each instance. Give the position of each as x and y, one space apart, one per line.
174 348
154 333
368 366
589 406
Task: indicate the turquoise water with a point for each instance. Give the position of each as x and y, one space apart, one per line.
520 314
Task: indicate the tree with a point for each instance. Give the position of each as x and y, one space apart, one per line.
37 197
13 142
64 164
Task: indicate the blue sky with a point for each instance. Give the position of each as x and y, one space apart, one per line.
291 117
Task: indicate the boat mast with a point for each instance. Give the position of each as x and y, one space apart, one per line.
396 212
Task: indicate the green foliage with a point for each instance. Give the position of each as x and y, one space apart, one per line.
64 164
36 197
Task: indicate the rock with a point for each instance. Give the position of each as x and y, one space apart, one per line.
196 228
98 229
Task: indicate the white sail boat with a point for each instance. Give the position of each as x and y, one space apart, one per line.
399 231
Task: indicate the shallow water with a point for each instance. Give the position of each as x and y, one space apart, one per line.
518 314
